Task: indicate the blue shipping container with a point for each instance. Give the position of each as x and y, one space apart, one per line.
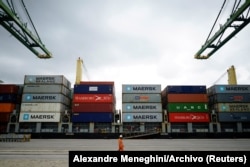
234 117
228 89
186 89
93 89
8 98
229 97
92 117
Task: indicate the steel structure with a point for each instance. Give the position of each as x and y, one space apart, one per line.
10 21
239 18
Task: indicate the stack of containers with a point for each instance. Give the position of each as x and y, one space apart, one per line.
141 103
45 98
230 102
93 102
186 104
9 102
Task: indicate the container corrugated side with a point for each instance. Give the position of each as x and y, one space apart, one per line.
7 107
9 88
43 107
145 98
93 98
234 116
8 98
142 117
4 117
45 98
92 117
97 83
46 89
187 107
93 89
228 89
3 127
141 88
186 89
188 117
230 98
39 117
47 79
232 107
93 107
199 98
141 107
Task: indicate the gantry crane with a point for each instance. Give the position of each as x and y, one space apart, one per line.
239 18
231 75
9 19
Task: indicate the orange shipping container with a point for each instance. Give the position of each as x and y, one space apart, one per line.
93 98
187 98
7 107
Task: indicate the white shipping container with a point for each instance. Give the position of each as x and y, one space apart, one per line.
142 117
47 79
46 89
39 117
43 107
141 107
141 88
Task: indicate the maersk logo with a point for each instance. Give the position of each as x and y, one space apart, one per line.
128 88
26 116
128 107
128 117
28 97
222 88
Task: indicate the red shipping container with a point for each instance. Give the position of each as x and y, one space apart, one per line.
93 107
7 107
187 98
188 117
93 98
4 117
6 88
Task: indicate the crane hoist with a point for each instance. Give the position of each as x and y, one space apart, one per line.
9 19
239 18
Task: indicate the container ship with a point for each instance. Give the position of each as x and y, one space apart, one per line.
47 106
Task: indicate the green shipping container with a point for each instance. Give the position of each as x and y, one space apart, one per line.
184 107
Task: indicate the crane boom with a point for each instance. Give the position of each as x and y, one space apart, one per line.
237 21
11 23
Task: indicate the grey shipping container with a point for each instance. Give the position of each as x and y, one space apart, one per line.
228 89
141 107
142 117
43 107
145 98
229 98
46 89
234 116
232 107
47 79
142 88
45 98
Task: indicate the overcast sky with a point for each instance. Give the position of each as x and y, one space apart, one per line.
128 42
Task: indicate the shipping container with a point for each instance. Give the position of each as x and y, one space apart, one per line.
45 98
228 89
9 88
8 98
46 89
93 98
142 117
187 107
145 98
185 89
234 116
229 98
188 117
97 83
43 107
141 107
93 89
92 117
197 98
232 107
39 117
47 79
3 127
7 107
5 117
141 88
93 107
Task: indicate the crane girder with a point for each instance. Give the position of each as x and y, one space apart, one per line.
19 30
237 21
